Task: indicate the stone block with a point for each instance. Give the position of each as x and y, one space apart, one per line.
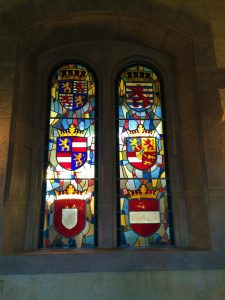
8 50
131 8
73 30
204 54
190 139
104 27
216 169
18 17
4 148
23 134
211 77
7 76
129 29
189 23
2 210
218 77
14 227
69 8
214 136
184 60
6 97
209 106
159 285
152 34
198 9
197 216
20 175
191 160
163 11
175 42
216 219
187 108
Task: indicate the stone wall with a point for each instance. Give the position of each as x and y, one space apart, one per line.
175 285
186 38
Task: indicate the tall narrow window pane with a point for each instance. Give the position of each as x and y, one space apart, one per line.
143 206
69 206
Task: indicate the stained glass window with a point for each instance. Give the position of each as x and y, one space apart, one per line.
144 214
69 206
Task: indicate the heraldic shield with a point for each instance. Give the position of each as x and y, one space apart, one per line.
144 213
141 152
73 94
139 96
69 212
71 151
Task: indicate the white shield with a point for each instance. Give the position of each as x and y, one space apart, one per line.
69 217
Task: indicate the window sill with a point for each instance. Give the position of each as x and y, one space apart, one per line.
111 260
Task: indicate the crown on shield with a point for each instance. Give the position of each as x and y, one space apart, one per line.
72 131
69 192
73 73
140 75
143 192
140 131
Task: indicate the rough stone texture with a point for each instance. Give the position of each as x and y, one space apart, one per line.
185 285
20 179
4 139
216 219
197 218
14 232
218 27
216 167
186 41
6 97
208 98
7 76
191 156
8 50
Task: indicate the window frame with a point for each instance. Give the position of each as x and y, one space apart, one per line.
107 255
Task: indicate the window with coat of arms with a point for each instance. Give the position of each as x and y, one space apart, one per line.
144 213
69 207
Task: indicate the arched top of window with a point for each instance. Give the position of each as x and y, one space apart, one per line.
141 87
73 85
144 213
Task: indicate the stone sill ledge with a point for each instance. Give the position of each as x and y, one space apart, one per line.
110 260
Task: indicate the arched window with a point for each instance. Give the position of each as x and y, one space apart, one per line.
69 204
144 214
69 212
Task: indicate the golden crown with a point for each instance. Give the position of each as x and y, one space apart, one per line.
69 193
72 73
141 76
143 192
140 131
72 131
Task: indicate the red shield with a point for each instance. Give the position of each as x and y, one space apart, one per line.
144 216
141 152
69 216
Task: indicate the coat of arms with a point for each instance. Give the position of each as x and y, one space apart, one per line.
73 94
71 151
139 95
144 212
141 148
69 212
